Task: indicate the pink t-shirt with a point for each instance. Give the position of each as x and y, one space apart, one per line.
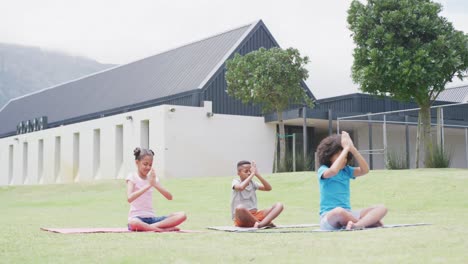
143 205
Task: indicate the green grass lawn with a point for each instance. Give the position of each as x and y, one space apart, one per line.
436 196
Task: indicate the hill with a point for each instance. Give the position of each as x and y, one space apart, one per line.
27 69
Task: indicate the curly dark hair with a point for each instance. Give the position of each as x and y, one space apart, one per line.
328 147
139 153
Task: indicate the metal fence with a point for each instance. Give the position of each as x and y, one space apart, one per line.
408 118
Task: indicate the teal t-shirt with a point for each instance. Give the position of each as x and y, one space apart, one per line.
334 191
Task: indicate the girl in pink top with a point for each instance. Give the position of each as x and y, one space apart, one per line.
140 186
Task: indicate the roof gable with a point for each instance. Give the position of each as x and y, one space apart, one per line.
454 94
177 76
172 72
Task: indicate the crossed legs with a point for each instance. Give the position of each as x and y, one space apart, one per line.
168 224
370 217
247 219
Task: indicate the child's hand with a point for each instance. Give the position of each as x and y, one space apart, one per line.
253 168
152 178
346 140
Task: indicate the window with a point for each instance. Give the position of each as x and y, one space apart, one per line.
144 134
25 161
40 160
118 147
57 157
10 164
96 152
76 155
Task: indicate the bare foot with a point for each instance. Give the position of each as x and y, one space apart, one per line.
171 229
269 225
157 229
256 225
352 226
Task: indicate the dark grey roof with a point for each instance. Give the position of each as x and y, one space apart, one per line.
176 71
454 94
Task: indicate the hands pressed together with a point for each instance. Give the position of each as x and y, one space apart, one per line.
152 178
253 168
346 141
153 181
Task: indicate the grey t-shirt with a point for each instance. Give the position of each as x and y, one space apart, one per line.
247 197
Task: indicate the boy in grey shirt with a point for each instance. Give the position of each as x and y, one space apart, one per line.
244 200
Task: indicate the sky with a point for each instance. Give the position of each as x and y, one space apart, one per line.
119 31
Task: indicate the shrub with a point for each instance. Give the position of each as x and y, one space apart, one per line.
301 164
396 160
439 158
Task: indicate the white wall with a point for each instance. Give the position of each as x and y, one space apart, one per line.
186 143
455 144
198 145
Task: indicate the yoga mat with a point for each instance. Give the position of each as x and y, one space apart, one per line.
272 229
344 230
252 229
104 230
361 229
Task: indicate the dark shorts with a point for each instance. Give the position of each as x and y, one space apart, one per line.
150 220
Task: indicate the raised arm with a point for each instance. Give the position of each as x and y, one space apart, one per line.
155 183
337 165
363 168
163 191
131 195
340 162
241 186
265 184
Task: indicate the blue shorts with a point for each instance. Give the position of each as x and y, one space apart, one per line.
150 220
325 225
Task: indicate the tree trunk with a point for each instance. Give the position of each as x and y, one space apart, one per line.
282 140
425 115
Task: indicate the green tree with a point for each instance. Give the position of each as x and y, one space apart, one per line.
272 79
405 50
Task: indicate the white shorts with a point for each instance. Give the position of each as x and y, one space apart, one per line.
325 225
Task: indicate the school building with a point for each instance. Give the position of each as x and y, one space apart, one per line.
176 104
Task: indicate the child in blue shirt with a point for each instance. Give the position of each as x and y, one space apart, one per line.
334 176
